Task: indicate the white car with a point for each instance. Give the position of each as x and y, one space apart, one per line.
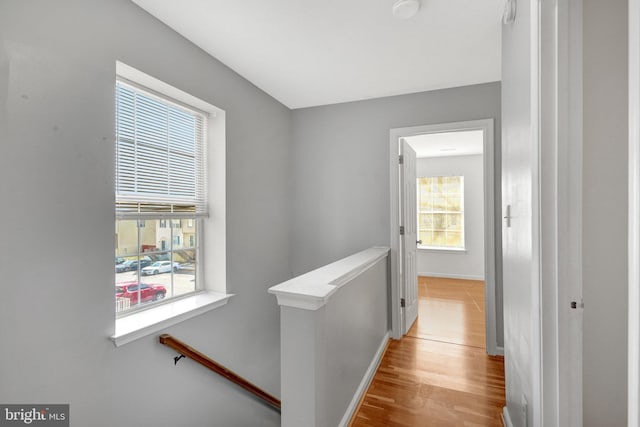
160 267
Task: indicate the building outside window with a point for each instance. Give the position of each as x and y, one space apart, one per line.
441 212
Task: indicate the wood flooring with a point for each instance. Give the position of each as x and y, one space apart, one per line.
450 310
439 374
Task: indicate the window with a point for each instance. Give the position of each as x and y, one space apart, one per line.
160 177
170 165
441 212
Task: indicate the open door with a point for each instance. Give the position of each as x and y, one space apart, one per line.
408 236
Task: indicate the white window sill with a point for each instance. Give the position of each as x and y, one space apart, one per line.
442 250
137 325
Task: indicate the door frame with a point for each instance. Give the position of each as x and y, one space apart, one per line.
558 215
486 125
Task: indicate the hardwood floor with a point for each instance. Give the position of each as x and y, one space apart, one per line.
451 311
439 374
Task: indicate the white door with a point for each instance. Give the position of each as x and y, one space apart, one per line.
409 235
521 289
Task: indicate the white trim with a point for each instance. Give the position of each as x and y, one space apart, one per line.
150 83
451 276
394 238
558 372
312 290
147 322
488 157
489 218
506 418
364 384
535 401
214 244
633 402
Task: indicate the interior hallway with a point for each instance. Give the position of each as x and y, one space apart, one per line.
439 373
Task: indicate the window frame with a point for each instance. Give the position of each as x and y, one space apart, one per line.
198 181
455 249
212 236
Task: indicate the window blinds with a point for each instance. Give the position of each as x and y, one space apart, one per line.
160 156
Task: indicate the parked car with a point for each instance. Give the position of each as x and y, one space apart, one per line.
132 265
148 292
119 260
160 267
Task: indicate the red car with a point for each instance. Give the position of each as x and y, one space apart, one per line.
148 292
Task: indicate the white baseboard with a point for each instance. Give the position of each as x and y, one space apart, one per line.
495 350
451 276
506 418
366 380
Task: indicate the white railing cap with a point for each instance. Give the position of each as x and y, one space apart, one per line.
312 290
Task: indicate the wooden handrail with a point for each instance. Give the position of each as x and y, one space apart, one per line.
205 361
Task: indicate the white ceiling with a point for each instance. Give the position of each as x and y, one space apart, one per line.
444 144
315 52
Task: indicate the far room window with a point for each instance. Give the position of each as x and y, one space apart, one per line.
441 212
160 181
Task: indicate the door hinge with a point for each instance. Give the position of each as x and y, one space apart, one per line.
401 159
403 304
402 230
575 304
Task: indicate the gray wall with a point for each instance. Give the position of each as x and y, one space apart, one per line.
341 169
605 213
328 351
468 264
355 331
57 73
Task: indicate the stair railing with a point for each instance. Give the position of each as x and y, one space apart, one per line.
193 354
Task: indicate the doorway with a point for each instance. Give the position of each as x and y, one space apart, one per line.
451 240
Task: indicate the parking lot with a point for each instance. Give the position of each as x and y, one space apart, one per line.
183 280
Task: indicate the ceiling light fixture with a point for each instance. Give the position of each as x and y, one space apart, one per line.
405 9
